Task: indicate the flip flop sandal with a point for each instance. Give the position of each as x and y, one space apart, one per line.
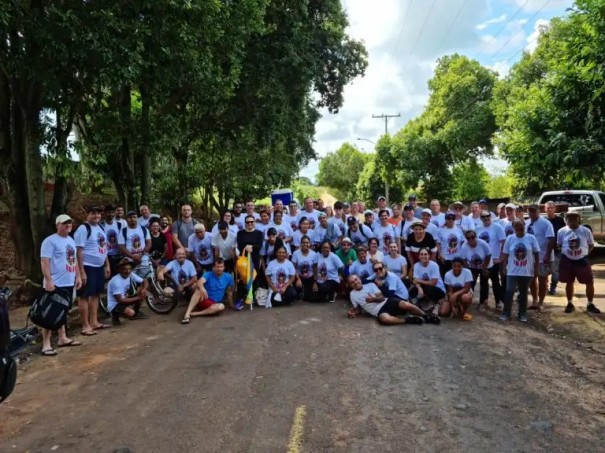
88 333
48 352
185 321
70 344
101 327
467 317
533 307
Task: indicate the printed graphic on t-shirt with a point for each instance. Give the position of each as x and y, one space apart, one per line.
306 270
281 277
112 239
386 240
573 245
476 261
520 254
323 271
203 252
509 229
452 244
293 225
182 277
135 239
101 242
485 236
425 277
70 258
311 223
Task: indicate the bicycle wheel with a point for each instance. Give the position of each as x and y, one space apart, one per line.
161 296
103 302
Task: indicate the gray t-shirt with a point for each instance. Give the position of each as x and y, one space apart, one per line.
183 229
358 299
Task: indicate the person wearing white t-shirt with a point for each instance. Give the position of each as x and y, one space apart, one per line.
437 217
449 241
477 256
135 241
385 232
462 221
459 282
309 212
123 297
493 233
520 263
61 273
430 227
113 229
238 216
200 249
507 222
250 211
224 245
386 311
284 230
91 248
145 216
280 275
427 283
576 243
544 233
183 273
475 215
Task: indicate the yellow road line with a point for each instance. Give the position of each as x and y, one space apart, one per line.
295 444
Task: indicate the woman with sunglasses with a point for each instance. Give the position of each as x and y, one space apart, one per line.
477 256
459 283
280 276
329 268
305 263
449 242
427 284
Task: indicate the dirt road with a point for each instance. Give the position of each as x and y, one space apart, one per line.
307 379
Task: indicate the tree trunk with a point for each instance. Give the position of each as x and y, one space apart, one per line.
126 151
145 147
62 192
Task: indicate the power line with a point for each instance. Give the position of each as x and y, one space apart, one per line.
516 13
449 30
426 19
405 19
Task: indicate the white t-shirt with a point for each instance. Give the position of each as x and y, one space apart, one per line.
520 252
297 236
63 262
494 235
201 248
293 221
142 221
378 256
312 217
394 264
393 283
119 286
304 264
284 231
457 283
385 235
240 221
362 270
476 221
464 223
450 239
339 223
361 236
328 267
474 256
94 246
405 229
575 243
280 273
232 228
181 273
263 227
432 229
358 299
438 219
507 225
135 241
225 246
113 231
543 231
428 272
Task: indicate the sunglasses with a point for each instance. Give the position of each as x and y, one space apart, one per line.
472 237
249 221
377 269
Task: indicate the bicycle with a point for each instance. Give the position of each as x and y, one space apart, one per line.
161 297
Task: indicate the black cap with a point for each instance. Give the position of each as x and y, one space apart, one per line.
130 213
351 220
94 208
110 207
412 197
271 232
222 225
408 207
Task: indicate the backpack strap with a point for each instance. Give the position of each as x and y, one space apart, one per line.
124 233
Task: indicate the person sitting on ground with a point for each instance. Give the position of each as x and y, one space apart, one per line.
357 232
419 239
329 267
200 249
280 276
363 266
386 311
374 253
395 262
212 289
269 252
123 297
458 282
182 272
428 286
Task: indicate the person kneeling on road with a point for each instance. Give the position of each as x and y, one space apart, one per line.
211 291
387 311
183 273
123 297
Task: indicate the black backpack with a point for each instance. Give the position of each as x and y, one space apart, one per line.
125 233
88 230
360 230
49 310
8 367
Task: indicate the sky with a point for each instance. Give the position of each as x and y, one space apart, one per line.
404 39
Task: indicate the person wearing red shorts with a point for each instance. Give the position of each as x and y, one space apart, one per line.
212 289
576 243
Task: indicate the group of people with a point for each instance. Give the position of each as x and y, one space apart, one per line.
401 264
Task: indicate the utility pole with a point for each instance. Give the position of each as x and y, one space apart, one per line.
386 119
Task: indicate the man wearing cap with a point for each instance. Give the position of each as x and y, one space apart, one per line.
61 273
135 241
381 204
404 229
347 254
413 201
360 234
437 217
545 235
483 206
461 221
557 223
507 223
576 243
91 243
225 246
112 228
369 220
327 231
146 216
430 227
200 249
449 241
493 233
123 297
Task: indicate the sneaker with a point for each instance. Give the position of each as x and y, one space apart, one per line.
332 300
430 318
239 304
591 308
500 306
503 317
414 320
140 315
552 292
522 318
570 307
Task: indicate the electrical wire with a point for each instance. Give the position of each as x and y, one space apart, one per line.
426 19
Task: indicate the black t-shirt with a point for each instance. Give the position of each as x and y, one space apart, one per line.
557 223
414 246
157 245
255 239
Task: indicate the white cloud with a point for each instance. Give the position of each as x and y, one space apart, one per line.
535 5
495 20
532 39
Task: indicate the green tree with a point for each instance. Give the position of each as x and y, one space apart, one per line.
500 185
470 181
341 169
370 184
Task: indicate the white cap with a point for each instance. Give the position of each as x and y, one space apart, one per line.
368 211
62 219
427 211
511 205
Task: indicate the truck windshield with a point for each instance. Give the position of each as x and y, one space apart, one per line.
573 199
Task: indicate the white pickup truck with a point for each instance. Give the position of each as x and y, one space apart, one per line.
590 203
